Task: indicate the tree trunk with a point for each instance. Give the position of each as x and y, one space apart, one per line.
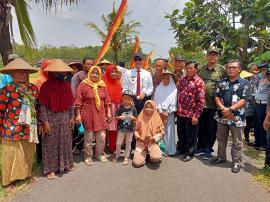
245 58
5 42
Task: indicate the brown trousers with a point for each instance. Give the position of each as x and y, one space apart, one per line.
88 143
237 145
141 152
120 138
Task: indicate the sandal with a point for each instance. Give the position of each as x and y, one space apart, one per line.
89 161
125 162
51 176
72 168
102 158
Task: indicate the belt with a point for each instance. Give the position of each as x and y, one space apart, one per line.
260 101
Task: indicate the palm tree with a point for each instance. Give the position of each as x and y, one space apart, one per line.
24 23
122 37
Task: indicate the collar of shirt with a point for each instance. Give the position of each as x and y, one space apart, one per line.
192 78
215 68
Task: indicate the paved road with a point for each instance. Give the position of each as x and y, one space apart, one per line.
172 180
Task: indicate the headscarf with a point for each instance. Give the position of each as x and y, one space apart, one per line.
166 96
95 85
149 125
56 95
113 85
43 76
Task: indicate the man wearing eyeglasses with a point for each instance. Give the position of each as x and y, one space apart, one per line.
231 96
139 81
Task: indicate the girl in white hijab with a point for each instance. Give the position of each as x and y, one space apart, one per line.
166 100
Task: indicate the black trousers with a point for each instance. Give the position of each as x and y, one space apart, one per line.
39 149
249 126
139 104
207 129
187 136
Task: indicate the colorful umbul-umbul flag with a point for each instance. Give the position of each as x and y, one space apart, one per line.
114 27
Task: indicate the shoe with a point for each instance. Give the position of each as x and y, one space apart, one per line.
89 161
252 144
217 160
125 162
199 152
187 158
235 168
179 153
207 155
102 158
260 148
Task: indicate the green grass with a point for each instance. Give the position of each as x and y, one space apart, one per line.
254 154
263 177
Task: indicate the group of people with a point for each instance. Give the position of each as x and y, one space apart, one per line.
107 106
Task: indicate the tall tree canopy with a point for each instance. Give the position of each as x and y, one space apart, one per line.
238 28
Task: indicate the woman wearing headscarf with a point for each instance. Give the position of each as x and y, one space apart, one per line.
93 110
57 115
18 122
43 75
114 88
149 130
166 100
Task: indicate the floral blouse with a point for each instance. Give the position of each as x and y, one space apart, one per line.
10 107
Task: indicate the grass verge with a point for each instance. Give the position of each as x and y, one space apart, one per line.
262 175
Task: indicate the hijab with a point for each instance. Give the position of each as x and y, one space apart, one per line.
95 85
113 85
43 76
149 125
56 95
166 96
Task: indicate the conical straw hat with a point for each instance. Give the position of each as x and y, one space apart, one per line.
104 62
18 64
245 74
58 66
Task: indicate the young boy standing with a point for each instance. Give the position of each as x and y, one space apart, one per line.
126 115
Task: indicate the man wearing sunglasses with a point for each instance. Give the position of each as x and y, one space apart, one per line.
139 81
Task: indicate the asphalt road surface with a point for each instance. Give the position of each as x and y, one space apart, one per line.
172 180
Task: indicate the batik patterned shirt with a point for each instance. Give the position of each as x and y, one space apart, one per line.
226 90
191 97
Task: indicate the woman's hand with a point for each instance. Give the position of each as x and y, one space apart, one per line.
109 118
72 124
41 130
47 128
78 119
194 121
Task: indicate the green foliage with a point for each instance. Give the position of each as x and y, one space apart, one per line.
24 23
197 54
239 28
69 52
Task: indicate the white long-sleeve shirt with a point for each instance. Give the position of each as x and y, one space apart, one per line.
129 82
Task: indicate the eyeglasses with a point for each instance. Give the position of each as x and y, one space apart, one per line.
232 67
137 59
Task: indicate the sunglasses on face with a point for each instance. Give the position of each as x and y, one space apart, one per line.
137 59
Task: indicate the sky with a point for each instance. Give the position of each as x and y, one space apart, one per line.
67 25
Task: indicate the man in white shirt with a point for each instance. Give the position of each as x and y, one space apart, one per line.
139 81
